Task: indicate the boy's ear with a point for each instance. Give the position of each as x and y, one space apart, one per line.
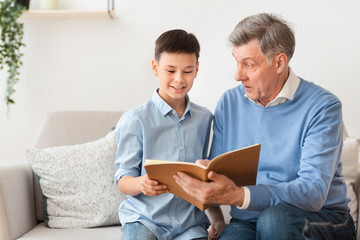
197 68
155 67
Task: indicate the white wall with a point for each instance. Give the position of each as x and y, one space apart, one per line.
106 64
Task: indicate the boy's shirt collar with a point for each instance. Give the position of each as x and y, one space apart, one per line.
165 108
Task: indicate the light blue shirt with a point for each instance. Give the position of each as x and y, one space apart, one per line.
154 130
301 142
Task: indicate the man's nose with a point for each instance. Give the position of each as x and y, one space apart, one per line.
240 74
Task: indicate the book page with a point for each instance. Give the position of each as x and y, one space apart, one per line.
158 162
238 165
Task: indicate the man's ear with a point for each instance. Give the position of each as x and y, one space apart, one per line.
281 62
155 67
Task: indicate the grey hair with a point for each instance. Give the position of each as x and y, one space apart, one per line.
274 34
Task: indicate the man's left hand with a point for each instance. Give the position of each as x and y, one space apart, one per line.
221 190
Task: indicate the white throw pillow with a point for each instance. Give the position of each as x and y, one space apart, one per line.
77 183
350 159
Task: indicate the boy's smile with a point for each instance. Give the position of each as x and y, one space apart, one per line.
176 73
178 88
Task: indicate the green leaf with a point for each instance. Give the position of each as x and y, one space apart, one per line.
11 42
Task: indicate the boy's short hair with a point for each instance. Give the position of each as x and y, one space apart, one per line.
176 41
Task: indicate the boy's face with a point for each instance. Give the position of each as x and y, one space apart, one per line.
176 73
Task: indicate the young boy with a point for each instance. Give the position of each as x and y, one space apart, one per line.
167 127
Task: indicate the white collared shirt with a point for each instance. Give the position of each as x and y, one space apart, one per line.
286 93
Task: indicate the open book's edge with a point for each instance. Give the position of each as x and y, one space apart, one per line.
230 152
158 162
227 153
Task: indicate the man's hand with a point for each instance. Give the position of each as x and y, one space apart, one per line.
221 190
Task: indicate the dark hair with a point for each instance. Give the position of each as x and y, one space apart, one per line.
274 34
176 41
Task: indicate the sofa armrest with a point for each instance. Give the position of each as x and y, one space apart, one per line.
357 192
17 209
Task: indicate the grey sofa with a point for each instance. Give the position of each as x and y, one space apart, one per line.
19 193
19 190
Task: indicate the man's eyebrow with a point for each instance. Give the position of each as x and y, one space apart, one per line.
246 58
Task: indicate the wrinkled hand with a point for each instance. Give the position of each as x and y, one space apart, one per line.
151 187
215 230
221 190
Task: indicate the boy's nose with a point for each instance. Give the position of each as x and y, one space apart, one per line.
179 77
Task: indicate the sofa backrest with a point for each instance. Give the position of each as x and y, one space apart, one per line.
75 127
70 128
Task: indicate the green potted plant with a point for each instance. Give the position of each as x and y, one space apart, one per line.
10 45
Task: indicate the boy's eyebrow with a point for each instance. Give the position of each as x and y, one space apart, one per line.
190 66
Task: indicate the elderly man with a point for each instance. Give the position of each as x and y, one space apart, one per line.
300 192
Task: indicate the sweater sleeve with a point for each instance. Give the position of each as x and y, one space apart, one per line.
318 172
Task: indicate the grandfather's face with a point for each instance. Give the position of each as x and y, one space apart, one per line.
261 80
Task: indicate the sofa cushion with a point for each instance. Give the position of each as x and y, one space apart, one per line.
63 128
77 183
350 159
41 232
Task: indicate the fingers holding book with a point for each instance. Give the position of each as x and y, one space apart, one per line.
152 187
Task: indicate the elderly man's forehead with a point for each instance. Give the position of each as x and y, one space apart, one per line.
247 52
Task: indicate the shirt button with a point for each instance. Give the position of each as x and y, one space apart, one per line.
181 148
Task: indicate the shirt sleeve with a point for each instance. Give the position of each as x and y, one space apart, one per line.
128 158
247 198
319 162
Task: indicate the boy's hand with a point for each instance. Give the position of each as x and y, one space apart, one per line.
215 229
217 222
203 162
151 187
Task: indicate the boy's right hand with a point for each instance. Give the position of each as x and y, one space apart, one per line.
151 187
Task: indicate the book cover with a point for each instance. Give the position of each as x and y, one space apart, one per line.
240 165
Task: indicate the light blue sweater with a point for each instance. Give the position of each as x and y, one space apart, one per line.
301 142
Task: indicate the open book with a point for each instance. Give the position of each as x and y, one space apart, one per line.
239 165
